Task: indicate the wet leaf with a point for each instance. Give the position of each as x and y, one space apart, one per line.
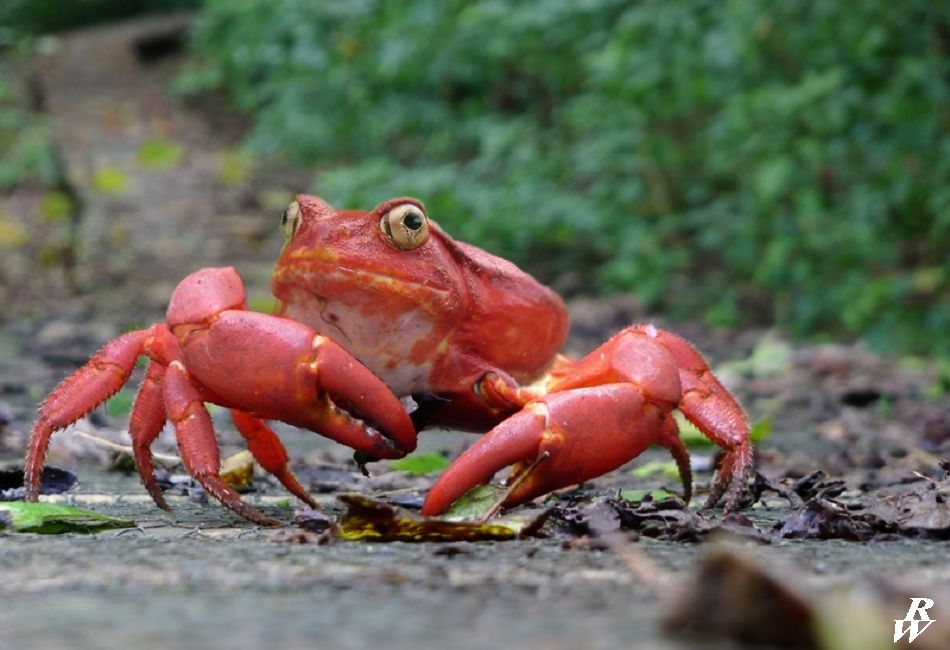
159 154
55 519
374 521
474 503
424 463
238 470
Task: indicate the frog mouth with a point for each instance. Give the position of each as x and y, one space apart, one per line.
324 268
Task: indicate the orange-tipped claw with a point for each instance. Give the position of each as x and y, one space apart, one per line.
362 412
584 432
288 372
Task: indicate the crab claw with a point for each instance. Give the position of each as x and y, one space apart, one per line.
364 400
558 440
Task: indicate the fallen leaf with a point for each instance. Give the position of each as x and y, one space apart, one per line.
160 154
424 463
55 519
110 180
238 470
824 518
374 521
474 503
640 495
666 468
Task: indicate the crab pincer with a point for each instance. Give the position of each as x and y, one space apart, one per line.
609 407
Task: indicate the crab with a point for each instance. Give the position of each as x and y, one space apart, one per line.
379 309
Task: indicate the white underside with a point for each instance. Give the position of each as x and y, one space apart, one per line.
381 343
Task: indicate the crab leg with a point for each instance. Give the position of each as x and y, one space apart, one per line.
270 453
674 375
712 408
100 378
145 424
586 432
669 437
196 441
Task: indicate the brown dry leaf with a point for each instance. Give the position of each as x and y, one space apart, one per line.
370 520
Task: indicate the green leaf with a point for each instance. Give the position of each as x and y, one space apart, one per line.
640 495
693 437
262 304
56 206
690 433
55 519
474 503
423 463
160 154
110 180
120 404
665 468
761 430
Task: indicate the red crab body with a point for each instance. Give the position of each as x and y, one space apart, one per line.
382 305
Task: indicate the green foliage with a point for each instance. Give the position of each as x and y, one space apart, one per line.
26 152
741 161
41 16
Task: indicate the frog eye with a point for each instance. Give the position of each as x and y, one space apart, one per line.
406 226
290 220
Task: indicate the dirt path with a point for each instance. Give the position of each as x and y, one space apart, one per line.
156 187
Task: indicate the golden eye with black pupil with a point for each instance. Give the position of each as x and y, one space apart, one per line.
290 220
405 226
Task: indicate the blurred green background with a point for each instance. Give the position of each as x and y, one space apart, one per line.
742 163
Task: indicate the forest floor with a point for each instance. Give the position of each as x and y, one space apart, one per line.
157 189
